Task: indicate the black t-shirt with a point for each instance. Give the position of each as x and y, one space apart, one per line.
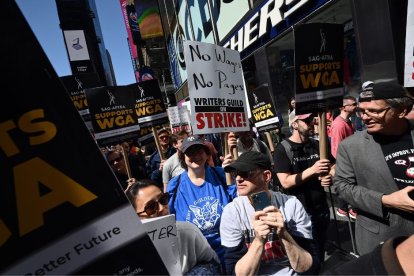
398 152
311 194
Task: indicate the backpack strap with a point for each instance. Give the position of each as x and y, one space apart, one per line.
262 146
288 149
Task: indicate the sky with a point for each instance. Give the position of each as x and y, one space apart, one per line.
44 21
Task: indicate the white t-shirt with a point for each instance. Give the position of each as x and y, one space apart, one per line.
172 168
193 246
236 225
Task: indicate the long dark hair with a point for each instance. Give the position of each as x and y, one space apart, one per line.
291 108
132 191
181 156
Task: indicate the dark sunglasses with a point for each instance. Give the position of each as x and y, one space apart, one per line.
243 174
118 159
152 206
163 137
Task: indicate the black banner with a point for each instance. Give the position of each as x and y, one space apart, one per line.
319 67
62 210
263 110
112 112
76 85
149 107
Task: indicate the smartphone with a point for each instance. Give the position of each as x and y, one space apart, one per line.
411 195
260 200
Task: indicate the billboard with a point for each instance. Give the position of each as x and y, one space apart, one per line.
149 19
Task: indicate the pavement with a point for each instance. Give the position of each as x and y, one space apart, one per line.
339 246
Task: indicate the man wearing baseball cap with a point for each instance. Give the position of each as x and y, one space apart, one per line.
375 167
155 163
274 241
302 173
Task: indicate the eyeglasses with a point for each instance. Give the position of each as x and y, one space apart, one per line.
152 206
352 104
118 159
374 112
163 137
243 174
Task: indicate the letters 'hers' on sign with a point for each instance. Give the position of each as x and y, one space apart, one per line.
216 88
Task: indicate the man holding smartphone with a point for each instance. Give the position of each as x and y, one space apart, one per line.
276 240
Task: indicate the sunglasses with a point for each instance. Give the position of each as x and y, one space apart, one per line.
163 137
118 159
243 174
152 206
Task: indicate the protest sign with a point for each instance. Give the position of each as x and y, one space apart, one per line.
163 233
146 134
179 118
174 117
113 114
409 47
262 108
149 107
216 88
76 85
62 210
185 115
319 67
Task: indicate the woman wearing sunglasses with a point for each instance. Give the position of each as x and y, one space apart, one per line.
199 194
116 160
196 255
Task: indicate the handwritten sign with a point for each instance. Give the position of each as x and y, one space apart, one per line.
163 233
216 88
174 117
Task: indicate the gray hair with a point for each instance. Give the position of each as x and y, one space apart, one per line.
401 103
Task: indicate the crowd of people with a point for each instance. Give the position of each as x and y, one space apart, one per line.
221 230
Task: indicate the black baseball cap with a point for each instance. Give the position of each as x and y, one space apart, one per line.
249 161
382 91
192 141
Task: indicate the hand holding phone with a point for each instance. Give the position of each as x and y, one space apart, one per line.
411 195
260 200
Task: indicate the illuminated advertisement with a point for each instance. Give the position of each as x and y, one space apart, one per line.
149 19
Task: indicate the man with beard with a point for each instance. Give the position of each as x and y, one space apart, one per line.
374 170
155 164
303 174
